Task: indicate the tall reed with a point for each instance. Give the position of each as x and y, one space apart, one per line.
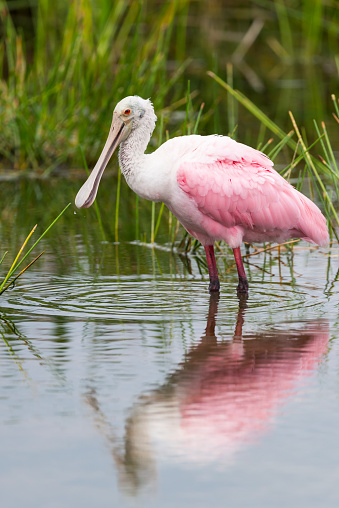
9 278
59 92
85 59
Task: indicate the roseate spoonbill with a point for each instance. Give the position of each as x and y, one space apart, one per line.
218 189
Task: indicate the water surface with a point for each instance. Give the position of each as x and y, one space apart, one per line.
123 383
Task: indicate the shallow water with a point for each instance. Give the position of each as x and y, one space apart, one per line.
123 383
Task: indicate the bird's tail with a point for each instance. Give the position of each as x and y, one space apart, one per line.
312 223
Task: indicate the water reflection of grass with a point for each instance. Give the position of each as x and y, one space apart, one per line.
17 344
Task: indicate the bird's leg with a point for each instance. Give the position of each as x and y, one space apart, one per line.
243 282
212 268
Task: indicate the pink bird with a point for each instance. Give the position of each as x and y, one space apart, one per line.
217 188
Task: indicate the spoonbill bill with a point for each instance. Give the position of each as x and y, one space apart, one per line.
217 188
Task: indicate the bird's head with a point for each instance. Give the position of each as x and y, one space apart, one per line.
132 112
129 114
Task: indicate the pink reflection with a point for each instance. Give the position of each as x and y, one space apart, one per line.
222 396
225 393
240 387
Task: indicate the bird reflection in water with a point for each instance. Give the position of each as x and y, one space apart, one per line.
224 395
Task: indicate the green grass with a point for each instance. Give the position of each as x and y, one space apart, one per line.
85 59
64 68
10 278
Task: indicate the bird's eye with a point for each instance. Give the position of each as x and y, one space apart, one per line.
127 111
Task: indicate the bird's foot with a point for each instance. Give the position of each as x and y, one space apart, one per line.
242 286
214 285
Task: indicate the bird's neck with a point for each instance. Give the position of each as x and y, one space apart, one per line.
132 151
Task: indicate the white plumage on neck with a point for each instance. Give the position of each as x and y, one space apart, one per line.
136 166
132 150
142 126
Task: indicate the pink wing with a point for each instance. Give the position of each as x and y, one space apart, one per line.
247 191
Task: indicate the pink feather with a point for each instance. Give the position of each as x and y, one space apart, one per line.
248 193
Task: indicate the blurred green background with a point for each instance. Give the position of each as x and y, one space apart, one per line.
65 64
